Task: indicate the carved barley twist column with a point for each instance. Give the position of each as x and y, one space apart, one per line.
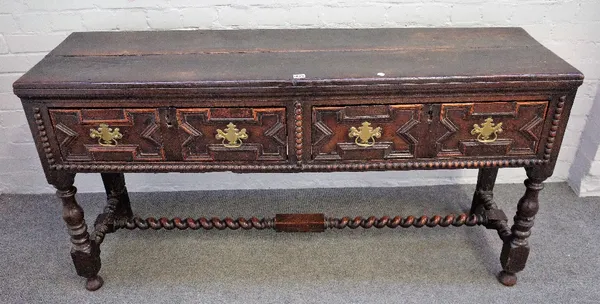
84 252
515 250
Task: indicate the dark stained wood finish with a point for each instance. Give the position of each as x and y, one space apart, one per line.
522 124
331 142
216 42
266 129
114 185
516 249
168 92
84 252
140 128
483 198
300 222
269 58
411 131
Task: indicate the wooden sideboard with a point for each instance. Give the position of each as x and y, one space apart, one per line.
296 101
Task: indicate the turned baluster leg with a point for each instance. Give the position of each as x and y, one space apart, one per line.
515 250
114 184
484 192
84 252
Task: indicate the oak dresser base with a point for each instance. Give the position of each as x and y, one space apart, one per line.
286 101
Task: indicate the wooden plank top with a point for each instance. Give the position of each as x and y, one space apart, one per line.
240 59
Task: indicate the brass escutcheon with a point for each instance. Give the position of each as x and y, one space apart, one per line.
488 132
365 134
106 136
232 135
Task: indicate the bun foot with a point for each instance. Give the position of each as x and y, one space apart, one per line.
94 283
507 279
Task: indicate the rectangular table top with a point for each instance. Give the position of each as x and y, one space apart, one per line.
271 58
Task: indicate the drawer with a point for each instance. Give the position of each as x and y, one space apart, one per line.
365 132
108 134
408 131
197 134
232 134
491 129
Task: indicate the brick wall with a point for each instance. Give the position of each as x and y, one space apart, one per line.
31 28
584 175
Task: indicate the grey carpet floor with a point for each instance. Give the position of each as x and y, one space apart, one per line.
427 265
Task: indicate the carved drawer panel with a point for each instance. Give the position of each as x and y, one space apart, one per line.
107 134
380 132
232 134
491 129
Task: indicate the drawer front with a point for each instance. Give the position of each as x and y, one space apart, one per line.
395 132
200 134
365 132
491 129
232 134
107 134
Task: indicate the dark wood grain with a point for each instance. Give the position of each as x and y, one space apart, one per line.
522 124
516 249
269 58
289 40
300 222
114 185
483 198
400 132
266 129
170 92
140 129
84 252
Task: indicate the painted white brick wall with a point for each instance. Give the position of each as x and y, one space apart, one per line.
31 28
585 171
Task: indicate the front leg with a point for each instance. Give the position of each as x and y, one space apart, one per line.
84 252
515 250
114 185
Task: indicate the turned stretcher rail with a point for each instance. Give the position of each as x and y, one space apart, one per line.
326 223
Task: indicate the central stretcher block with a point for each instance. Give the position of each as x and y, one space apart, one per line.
312 222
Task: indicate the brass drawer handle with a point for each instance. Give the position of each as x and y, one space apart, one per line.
365 135
232 135
488 132
106 136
